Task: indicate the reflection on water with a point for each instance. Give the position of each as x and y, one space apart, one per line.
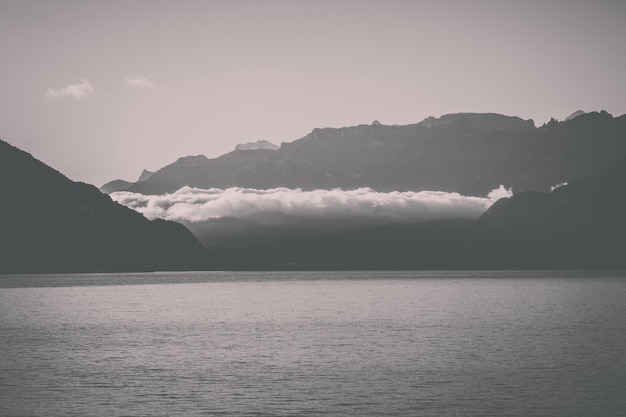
352 343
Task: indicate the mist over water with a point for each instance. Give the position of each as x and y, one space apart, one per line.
366 343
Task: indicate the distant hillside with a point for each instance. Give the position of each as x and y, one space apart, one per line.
470 153
49 223
116 185
122 185
580 225
201 172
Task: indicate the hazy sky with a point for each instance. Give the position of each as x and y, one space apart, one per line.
101 90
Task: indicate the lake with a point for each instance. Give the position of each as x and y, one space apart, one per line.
314 343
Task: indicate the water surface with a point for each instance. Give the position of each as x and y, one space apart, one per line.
349 343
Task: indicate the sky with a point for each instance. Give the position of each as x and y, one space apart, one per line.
101 90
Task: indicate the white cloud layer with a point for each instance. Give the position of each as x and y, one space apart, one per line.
137 82
280 205
78 92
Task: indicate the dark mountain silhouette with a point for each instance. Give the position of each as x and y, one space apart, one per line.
467 152
49 223
580 225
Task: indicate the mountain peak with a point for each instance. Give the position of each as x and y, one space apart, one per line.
192 160
255 146
122 185
574 115
145 174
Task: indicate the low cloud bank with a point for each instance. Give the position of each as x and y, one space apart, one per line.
244 216
193 205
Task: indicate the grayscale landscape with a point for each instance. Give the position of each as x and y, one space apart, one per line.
308 207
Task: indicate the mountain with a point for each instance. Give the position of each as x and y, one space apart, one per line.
580 224
115 185
201 172
576 226
574 115
52 224
590 203
470 153
122 185
255 146
486 122
145 175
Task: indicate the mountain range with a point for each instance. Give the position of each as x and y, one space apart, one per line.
49 223
576 226
469 153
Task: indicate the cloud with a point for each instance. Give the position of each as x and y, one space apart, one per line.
500 192
79 91
276 205
554 187
137 82
244 216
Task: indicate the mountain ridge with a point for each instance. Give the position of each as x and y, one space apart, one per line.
470 153
255 146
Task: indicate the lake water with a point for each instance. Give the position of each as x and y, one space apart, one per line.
327 343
